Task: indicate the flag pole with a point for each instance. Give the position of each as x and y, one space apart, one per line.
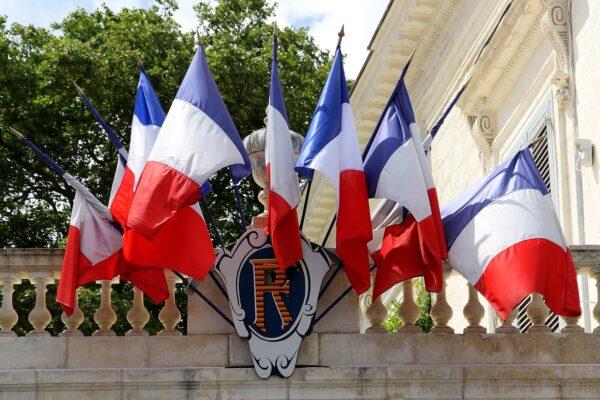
71 181
190 284
105 126
336 301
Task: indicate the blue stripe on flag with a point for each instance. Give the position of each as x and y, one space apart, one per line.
276 93
326 122
393 131
517 173
147 106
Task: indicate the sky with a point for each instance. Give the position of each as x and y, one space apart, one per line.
323 17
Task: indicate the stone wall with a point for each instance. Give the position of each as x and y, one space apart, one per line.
331 366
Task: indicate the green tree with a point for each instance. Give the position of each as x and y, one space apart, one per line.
95 49
423 302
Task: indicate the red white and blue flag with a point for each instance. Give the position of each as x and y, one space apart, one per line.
148 117
504 237
397 169
331 147
284 191
93 250
197 139
168 249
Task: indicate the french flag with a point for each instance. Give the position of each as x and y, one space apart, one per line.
284 191
397 169
197 139
93 250
148 117
504 237
331 147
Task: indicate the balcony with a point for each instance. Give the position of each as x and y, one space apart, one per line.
335 361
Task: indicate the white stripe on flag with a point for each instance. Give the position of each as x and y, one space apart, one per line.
513 218
402 181
140 147
279 155
340 154
193 144
99 239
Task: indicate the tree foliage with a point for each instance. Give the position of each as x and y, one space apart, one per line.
423 302
95 49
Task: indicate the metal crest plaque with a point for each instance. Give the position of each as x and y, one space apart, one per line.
272 308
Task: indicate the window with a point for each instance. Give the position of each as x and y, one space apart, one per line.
541 156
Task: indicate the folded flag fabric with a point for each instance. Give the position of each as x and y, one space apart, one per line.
148 117
397 169
504 237
331 147
93 250
197 139
173 247
284 191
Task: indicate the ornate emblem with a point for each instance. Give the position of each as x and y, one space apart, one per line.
272 308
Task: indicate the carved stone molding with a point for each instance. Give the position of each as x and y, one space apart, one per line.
556 24
484 133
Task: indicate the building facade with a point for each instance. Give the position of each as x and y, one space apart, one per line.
530 70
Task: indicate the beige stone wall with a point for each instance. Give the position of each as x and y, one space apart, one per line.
331 366
455 159
586 31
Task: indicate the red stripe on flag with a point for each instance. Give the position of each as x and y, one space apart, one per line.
77 270
353 229
439 227
161 191
183 244
284 230
121 202
408 250
532 266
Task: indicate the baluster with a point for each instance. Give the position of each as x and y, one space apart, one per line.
376 314
8 315
40 317
72 322
506 325
170 316
408 311
473 312
441 312
596 310
572 325
137 316
537 313
105 316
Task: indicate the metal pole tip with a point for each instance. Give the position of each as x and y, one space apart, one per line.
275 29
16 133
138 61
79 90
341 34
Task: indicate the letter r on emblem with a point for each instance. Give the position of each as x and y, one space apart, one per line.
268 278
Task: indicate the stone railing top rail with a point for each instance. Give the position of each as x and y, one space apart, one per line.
32 260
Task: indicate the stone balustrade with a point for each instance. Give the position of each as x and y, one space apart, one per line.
587 262
42 267
334 362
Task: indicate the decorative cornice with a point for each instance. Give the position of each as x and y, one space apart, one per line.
514 60
556 23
